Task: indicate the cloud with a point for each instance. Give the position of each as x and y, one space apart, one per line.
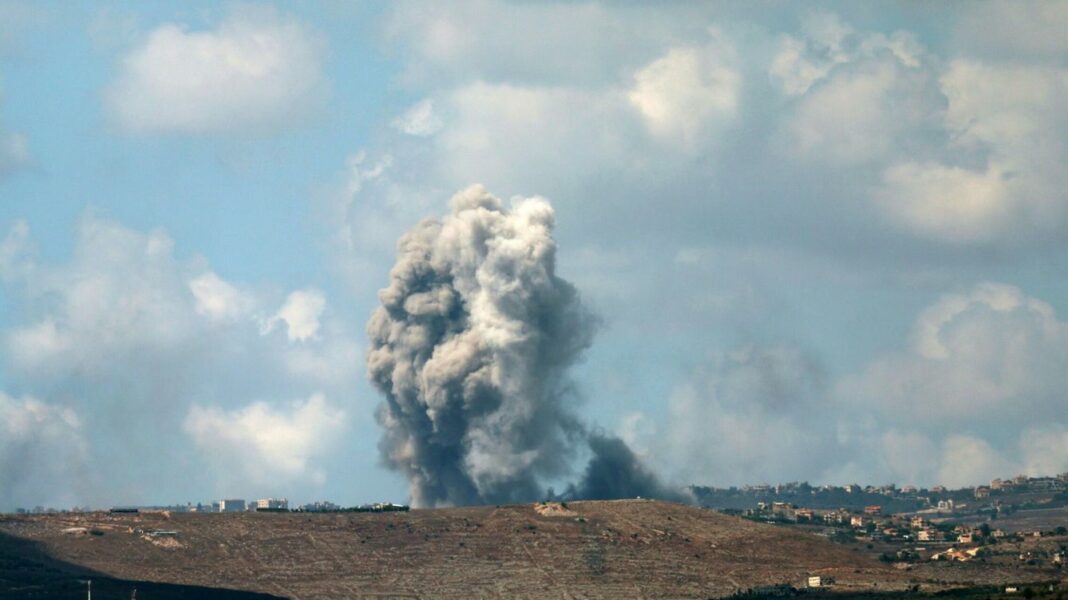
858 96
953 204
130 337
1009 120
992 357
219 299
721 423
983 373
419 120
976 395
301 313
679 94
801 62
259 444
257 71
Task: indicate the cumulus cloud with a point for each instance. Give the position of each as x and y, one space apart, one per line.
301 314
859 96
681 93
991 355
1012 120
219 299
262 443
256 71
987 366
976 395
130 337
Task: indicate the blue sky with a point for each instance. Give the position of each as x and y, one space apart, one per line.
825 239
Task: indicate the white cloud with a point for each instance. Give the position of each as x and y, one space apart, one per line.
801 62
859 114
257 71
497 133
953 204
860 96
130 337
978 392
301 313
681 93
1012 119
419 120
260 444
218 299
992 357
977 395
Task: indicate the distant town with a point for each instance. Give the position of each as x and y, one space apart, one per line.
232 505
1018 520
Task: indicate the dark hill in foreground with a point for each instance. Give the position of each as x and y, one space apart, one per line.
617 549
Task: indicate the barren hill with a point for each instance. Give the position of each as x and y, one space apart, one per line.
632 548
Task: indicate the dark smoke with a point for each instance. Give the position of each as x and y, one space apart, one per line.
471 348
615 472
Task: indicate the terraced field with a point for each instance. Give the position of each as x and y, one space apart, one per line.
631 549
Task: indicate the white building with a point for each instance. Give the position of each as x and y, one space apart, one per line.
273 503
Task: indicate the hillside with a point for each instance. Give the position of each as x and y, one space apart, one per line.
633 548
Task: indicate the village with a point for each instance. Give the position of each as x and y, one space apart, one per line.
1018 522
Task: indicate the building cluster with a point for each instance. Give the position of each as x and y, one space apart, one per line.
936 532
231 505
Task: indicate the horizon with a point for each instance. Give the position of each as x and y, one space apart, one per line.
475 252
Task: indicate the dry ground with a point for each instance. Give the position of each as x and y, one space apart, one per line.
631 549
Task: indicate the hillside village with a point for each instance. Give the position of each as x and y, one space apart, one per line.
1020 521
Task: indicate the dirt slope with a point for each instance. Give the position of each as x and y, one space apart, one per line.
632 549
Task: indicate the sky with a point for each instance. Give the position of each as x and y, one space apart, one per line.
823 241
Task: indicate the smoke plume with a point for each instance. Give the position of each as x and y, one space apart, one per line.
471 348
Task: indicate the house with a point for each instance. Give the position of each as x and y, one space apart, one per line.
803 514
945 505
982 492
874 509
927 535
966 538
857 521
918 522
272 504
957 555
819 581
